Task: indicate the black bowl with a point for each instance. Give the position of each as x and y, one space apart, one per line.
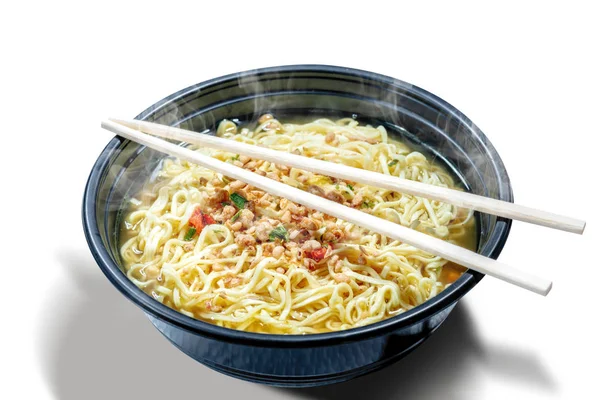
408 112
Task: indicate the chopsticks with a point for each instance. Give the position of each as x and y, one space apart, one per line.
392 230
451 196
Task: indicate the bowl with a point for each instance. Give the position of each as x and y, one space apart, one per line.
408 112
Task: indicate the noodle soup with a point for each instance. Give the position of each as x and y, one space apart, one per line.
221 251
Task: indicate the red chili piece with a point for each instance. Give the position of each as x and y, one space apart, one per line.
318 254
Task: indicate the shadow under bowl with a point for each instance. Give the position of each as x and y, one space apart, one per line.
409 114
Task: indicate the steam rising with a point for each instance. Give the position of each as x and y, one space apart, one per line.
408 113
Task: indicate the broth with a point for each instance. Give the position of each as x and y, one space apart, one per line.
287 269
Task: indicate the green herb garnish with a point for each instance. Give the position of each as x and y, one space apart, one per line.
238 200
393 162
236 216
350 186
235 158
367 204
190 234
279 233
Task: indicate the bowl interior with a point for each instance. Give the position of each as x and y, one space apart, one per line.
410 114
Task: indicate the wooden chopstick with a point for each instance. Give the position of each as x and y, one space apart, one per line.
456 197
392 230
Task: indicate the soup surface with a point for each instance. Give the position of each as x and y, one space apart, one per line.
224 252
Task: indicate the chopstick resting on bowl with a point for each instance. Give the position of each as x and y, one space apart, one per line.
384 227
460 199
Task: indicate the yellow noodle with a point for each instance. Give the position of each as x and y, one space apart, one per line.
364 277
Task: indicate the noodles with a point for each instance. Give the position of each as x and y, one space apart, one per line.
218 250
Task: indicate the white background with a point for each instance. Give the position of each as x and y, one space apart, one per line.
526 74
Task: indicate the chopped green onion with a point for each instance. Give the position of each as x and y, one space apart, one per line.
238 200
350 186
279 233
235 158
190 234
236 216
393 162
367 204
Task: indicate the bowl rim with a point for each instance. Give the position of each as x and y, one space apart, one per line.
166 314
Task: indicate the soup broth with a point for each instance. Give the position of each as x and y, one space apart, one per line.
221 251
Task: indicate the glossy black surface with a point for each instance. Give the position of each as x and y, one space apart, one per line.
408 112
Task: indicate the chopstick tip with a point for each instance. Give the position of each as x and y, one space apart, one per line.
583 224
544 292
